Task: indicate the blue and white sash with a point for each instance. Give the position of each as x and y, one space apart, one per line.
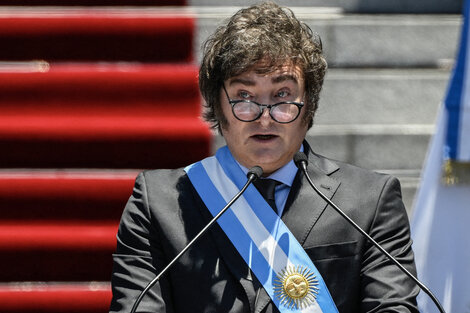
268 247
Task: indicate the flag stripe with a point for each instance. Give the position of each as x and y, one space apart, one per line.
463 152
457 97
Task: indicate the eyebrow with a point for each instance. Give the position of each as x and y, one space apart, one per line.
284 77
246 82
277 79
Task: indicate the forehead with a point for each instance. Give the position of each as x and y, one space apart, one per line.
259 75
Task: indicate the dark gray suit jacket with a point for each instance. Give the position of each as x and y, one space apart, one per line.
164 213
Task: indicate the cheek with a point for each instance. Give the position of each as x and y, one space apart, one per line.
298 133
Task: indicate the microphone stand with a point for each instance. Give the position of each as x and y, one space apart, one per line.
254 173
301 162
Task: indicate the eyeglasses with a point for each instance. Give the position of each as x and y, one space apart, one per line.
249 111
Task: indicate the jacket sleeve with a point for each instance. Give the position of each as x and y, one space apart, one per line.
385 288
138 258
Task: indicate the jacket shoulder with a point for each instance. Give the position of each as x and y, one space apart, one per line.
163 175
349 172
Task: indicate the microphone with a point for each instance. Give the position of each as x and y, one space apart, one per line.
301 161
253 174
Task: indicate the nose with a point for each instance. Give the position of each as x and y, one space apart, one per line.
265 119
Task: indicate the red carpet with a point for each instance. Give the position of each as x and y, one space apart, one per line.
64 195
116 93
55 298
93 2
96 35
101 116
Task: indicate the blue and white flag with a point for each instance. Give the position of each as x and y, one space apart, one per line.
441 221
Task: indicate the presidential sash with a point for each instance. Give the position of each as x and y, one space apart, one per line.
265 243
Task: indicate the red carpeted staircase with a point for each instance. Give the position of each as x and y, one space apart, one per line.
89 96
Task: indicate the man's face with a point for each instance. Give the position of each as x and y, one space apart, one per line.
264 142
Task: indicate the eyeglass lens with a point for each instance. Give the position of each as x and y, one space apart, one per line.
249 111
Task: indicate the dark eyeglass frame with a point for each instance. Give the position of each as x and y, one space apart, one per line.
261 108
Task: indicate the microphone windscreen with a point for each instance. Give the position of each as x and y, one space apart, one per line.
255 170
299 158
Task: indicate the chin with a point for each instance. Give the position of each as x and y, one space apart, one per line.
269 167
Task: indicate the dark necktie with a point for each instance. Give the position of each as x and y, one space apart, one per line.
266 187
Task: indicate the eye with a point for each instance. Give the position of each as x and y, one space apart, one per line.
283 94
244 95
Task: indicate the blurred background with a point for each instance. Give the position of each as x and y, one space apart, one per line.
93 91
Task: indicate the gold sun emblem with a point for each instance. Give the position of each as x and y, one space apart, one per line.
296 287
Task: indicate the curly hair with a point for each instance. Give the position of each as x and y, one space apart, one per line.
265 32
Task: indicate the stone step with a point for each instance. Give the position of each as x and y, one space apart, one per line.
358 6
399 147
352 40
381 96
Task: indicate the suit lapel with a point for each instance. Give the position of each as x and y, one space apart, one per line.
304 206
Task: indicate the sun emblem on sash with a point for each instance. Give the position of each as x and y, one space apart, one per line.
296 287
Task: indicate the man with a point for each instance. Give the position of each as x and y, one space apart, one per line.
260 77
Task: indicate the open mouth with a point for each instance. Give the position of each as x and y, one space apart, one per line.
264 137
